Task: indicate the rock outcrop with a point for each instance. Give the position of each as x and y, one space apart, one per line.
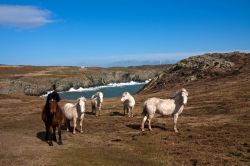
207 66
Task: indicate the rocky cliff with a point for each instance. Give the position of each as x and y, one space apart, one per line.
207 66
32 80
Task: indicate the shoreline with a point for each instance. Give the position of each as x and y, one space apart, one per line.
110 85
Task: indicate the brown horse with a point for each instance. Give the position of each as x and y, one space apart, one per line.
52 117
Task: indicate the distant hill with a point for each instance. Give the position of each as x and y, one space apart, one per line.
126 63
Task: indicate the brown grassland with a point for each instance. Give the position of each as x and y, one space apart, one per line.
214 129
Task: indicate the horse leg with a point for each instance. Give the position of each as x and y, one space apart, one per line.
175 123
60 134
54 133
124 110
149 122
143 122
131 110
47 133
67 124
128 111
74 122
99 111
96 112
94 109
81 124
50 136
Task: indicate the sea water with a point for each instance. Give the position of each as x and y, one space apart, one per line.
110 90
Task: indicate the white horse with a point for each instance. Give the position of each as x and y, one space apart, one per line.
172 106
72 112
128 103
96 103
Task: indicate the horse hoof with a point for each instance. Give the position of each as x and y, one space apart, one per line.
142 129
81 131
60 143
176 130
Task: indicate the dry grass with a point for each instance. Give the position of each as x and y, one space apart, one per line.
214 130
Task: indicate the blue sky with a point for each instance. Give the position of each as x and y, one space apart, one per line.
108 32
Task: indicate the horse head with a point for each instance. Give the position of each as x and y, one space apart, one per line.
184 94
100 96
81 103
125 96
180 95
53 106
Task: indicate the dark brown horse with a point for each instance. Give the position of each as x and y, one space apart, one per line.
52 117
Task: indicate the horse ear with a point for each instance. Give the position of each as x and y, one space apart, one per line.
84 99
185 91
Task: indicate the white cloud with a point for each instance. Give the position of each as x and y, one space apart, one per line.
23 16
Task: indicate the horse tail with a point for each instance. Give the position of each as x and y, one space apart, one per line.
144 111
93 106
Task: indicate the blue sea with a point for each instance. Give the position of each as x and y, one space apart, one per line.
110 90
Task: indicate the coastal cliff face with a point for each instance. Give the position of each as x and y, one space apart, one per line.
32 80
207 66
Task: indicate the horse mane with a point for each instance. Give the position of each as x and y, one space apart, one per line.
175 94
81 98
178 92
98 95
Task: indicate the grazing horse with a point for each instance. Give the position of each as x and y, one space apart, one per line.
173 106
52 117
74 112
